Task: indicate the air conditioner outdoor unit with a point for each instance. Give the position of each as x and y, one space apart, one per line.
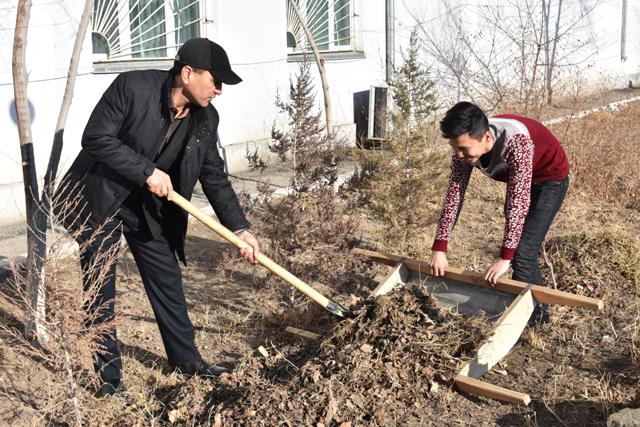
370 116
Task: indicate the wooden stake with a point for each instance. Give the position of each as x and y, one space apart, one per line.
302 333
483 389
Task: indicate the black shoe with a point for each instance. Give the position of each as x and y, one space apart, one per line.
540 315
201 368
110 391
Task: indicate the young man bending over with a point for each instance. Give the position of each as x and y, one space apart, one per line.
513 149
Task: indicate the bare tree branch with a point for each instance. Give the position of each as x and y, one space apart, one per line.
325 85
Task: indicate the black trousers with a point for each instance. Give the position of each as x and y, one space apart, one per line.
162 279
546 199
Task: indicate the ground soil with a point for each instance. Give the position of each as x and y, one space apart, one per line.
577 370
388 366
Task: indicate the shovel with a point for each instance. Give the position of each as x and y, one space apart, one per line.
231 237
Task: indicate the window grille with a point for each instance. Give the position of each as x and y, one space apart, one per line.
141 29
329 21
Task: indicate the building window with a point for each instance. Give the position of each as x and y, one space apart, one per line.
329 21
142 29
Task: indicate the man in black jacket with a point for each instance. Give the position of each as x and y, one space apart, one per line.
150 133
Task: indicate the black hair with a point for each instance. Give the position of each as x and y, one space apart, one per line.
464 117
177 68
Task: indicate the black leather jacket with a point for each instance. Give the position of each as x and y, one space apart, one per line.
123 135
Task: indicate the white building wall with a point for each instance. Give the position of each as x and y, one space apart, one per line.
52 28
260 57
253 33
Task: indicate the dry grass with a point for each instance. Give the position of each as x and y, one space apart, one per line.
599 255
602 152
596 256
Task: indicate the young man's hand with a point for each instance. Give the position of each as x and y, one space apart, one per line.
496 270
249 253
159 183
438 262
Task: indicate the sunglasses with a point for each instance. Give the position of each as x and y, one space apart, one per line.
217 83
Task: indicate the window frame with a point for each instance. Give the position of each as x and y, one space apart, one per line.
333 49
124 60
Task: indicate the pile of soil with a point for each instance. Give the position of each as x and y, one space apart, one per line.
388 363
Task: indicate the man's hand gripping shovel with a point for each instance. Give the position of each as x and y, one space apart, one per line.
228 235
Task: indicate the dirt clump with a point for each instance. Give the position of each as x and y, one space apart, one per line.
387 363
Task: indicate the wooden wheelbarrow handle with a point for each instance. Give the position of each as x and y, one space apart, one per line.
231 237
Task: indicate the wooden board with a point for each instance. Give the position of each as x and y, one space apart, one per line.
398 276
464 298
483 389
302 333
467 291
540 293
507 332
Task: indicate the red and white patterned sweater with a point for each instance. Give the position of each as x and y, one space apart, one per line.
524 151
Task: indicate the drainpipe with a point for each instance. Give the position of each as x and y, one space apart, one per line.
390 37
623 33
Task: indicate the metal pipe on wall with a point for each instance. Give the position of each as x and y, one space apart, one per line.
390 29
623 32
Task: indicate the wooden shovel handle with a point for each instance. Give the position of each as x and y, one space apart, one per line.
232 238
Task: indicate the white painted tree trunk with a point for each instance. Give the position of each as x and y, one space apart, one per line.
35 327
38 208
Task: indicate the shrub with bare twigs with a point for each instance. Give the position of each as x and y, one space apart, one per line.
73 332
310 231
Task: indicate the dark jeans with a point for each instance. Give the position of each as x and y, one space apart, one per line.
162 281
546 199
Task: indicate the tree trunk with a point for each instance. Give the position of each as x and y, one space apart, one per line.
56 149
35 327
551 57
37 209
73 385
325 90
58 137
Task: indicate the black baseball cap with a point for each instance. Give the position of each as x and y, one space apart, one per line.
204 54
